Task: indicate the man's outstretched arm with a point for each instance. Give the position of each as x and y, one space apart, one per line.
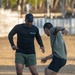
64 31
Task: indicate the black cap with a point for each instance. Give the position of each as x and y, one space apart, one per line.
29 17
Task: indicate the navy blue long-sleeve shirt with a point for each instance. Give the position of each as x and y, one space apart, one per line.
25 38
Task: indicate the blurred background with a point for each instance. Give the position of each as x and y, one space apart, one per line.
58 12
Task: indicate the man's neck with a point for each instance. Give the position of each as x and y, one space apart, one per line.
26 25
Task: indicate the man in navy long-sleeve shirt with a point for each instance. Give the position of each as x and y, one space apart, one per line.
25 49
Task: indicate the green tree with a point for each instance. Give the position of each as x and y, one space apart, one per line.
8 3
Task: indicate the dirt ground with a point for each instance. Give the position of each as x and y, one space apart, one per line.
7 66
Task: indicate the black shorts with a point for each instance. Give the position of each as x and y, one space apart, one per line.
56 64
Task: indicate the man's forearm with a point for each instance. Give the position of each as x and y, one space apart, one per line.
49 57
60 28
10 38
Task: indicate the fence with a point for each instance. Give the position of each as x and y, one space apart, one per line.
9 21
68 23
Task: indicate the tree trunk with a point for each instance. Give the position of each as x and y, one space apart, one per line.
40 4
0 3
56 4
35 5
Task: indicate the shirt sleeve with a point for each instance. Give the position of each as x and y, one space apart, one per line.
38 38
11 34
53 31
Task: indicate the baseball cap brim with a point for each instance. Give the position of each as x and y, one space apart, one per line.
30 20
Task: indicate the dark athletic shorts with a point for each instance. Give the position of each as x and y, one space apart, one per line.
56 64
25 59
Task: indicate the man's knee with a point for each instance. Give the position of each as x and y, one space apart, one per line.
19 73
34 73
45 69
50 72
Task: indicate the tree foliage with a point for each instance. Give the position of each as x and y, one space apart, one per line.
33 2
8 3
38 5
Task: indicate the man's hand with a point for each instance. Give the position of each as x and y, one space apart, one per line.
42 49
14 47
65 32
43 60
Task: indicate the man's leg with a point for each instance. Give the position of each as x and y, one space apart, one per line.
31 63
50 72
19 63
33 70
19 68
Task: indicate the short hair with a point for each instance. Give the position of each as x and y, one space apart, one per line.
47 25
